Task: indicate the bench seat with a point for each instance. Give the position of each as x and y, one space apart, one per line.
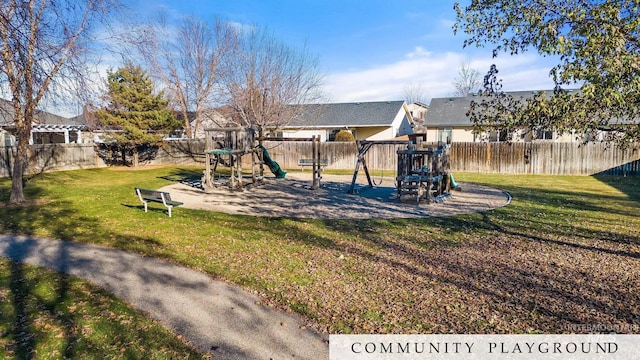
146 196
309 162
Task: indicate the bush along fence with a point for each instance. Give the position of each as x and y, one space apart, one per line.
515 158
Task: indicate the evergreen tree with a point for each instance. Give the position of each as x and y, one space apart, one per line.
138 116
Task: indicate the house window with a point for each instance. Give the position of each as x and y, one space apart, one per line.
444 135
498 136
332 134
544 134
41 138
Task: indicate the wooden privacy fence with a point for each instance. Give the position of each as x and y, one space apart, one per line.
53 157
515 158
545 158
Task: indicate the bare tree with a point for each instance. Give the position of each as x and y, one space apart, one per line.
266 81
43 43
187 62
414 93
468 80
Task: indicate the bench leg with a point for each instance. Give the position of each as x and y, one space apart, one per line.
169 207
145 206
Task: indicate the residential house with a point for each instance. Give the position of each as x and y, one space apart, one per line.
447 121
47 128
418 112
380 120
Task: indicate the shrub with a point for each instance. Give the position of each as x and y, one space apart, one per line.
344 135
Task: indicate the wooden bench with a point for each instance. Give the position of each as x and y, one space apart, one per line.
147 196
309 162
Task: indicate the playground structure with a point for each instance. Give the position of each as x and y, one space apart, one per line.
422 171
423 174
227 146
315 161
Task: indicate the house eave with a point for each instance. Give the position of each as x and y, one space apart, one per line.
48 127
300 127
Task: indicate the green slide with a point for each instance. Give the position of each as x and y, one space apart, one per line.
273 166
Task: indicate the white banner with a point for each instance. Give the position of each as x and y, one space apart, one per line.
485 347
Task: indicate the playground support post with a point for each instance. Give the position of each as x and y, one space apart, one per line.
317 170
208 181
260 157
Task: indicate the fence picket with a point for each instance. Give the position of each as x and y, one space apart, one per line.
514 158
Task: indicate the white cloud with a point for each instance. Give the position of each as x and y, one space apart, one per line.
435 73
419 51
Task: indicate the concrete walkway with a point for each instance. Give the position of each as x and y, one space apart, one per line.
215 317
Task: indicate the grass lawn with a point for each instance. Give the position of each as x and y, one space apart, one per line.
46 315
564 255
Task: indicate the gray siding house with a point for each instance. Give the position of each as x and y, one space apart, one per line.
447 120
380 120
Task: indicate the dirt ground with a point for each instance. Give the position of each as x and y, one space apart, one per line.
293 197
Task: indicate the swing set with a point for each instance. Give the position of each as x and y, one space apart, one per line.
363 147
422 171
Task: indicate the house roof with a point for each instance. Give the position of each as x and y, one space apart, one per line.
355 114
41 117
452 111
449 112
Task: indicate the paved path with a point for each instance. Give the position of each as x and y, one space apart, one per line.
214 316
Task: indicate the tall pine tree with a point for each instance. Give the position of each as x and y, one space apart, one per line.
138 116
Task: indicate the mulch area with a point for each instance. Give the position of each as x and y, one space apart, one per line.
293 197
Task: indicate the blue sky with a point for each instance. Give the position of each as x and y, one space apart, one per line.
368 50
